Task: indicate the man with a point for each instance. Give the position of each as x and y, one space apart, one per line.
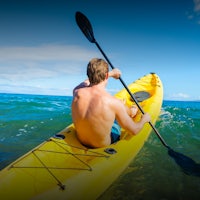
95 111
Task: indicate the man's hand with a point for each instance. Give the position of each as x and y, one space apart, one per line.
146 118
115 73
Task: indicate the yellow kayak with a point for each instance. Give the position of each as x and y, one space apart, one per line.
62 168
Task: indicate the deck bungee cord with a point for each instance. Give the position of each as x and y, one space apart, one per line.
67 152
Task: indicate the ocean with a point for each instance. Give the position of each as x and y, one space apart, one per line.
28 120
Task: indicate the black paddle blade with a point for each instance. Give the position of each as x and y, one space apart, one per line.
188 165
141 96
85 26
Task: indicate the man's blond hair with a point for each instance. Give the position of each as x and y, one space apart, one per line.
97 70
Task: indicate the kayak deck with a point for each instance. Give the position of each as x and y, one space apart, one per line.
62 168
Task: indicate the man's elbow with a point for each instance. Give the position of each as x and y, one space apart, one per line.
136 130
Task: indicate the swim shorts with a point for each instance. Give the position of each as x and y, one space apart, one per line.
115 132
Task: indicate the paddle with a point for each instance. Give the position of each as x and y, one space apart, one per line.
186 163
87 30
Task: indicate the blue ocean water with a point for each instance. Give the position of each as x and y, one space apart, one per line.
28 120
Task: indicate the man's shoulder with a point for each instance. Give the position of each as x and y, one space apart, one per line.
81 86
113 99
80 92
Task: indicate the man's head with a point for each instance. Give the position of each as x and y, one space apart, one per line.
97 71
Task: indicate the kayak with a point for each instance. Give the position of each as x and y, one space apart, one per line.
62 168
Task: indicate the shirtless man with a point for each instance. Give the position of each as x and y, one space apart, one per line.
94 110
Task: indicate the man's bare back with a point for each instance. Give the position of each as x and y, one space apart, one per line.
93 116
94 111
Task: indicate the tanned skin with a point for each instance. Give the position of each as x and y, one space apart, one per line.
94 111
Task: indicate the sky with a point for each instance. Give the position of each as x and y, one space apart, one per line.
43 51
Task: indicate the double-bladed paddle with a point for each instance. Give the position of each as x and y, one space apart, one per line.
187 164
86 27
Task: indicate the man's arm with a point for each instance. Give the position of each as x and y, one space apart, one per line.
115 73
85 83
125 120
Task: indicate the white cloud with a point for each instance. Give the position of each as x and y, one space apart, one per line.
56 68
190 17
182 95
25 63
45 52
195 13
24 89
179 96
196 5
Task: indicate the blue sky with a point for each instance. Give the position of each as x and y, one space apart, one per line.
42 50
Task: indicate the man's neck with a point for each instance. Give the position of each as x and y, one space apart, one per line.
101 85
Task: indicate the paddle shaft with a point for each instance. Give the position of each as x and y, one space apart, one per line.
86 27
134 99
